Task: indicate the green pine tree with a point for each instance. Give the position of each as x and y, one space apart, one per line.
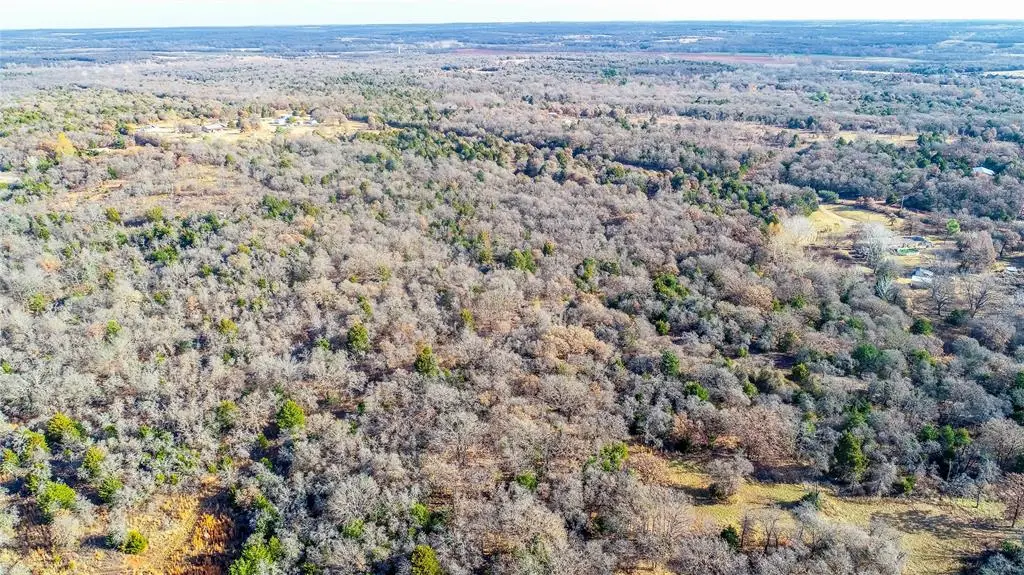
850 461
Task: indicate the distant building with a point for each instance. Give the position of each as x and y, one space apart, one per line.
922 278
215 127
917 241
982 171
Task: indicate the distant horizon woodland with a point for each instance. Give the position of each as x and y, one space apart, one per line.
44 14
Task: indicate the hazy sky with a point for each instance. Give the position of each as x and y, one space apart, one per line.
151 13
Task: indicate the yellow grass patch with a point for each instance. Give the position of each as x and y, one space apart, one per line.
938 535
186 537
844 217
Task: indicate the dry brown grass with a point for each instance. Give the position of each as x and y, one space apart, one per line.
188 534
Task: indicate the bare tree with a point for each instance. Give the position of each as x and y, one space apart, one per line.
942 293
980 292
1011 493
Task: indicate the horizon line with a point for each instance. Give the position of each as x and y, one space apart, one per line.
536 22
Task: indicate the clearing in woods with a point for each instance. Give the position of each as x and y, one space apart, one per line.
843 217
937 535
188 535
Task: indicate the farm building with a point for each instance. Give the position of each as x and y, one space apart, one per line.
921 278
982 171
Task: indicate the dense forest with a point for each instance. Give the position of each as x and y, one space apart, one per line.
465 312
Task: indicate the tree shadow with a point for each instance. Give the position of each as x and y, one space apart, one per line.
943 526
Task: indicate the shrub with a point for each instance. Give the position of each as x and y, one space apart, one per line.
850 461
92 461
54 496
290 416
111 330
800 373
522 260
669 363
227 326
9 461
155 214
867 357
467 319
731 535
426 363
694 388
905 485
134 543
354 529
225 414
37 303
358 339
528 480
613 456
952 227
813 498
668 287
275 207
921 326
323 343
424 561
33 441
257 557
61 429
109 488
420 514
113 215
958 317
164 255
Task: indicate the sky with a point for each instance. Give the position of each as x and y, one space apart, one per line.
19 14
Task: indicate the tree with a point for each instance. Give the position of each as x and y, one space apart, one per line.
874 242
63 147
850 463
135 543
55 496
976 251
358 339
109 488
61 429
1010 492
670 363
731 535
727 476
942 293
426 363
522 260
952 226
921 326
424 561
290 416
980 291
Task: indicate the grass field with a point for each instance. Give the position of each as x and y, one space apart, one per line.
841 220
169 129
937 535
188 535
831 218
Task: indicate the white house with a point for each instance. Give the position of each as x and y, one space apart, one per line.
922 278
